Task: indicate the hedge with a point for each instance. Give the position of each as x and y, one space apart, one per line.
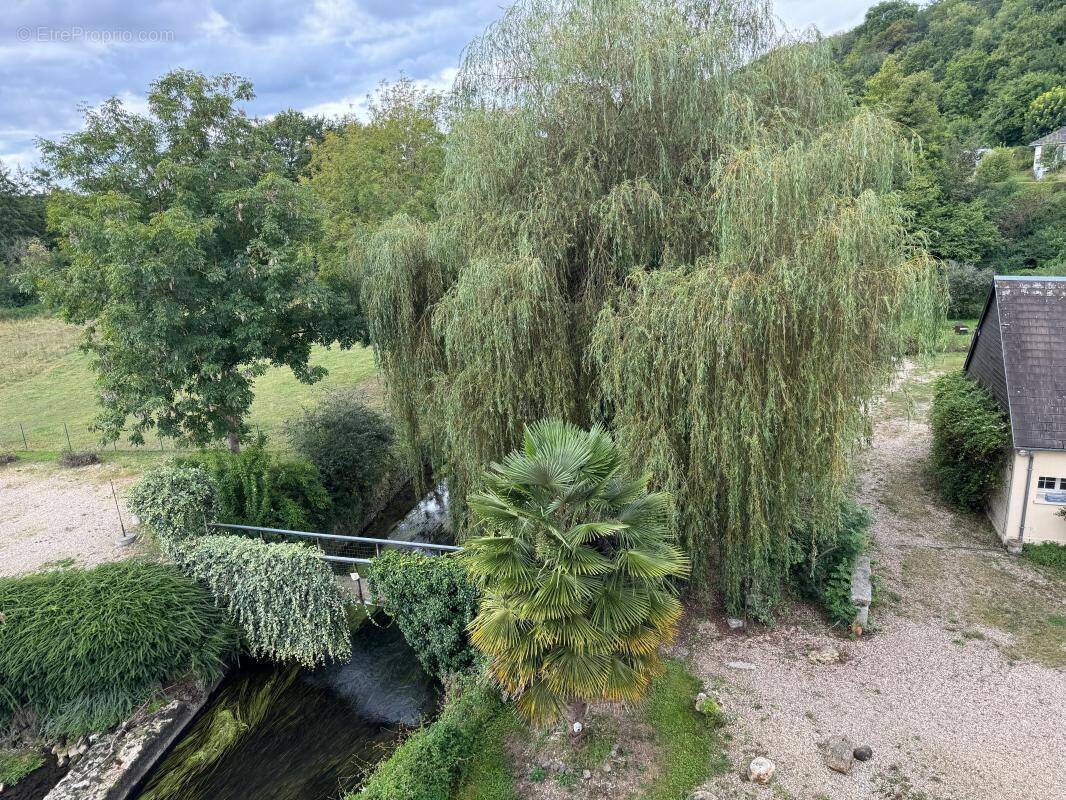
971 440
84 648
175 501
282 596
428 765
433 602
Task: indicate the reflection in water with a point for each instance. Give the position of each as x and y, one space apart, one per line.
429 521
294 735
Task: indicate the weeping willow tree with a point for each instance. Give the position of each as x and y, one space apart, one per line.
661 217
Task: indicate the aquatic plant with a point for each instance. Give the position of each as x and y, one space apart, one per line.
238 709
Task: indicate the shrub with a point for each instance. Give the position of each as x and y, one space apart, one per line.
971 439
175 500
84 648
283 596
823 558
351 445
428 765
433 602
82 458
968 288
255 487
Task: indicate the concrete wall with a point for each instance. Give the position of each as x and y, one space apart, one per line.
1042 523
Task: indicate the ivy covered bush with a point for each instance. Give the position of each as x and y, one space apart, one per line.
823 558
84 648
282 596
433 602
971 440
351 444
257 487
428 765
175 500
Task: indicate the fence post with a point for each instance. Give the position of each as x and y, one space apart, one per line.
66 430
118 509
25 444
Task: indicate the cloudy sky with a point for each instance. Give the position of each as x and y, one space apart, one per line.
320 56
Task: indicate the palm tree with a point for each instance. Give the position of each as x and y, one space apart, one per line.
577 568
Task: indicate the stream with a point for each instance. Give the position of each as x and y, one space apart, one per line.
283 733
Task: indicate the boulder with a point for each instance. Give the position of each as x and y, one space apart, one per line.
840 754
761 770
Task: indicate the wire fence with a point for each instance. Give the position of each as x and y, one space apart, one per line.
52 436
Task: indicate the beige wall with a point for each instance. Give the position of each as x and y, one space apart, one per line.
1041 521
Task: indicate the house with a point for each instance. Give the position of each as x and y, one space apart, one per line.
1048 152
1018 353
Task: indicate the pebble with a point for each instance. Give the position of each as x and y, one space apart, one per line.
863 753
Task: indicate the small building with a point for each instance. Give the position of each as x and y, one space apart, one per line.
1018 353
1048 152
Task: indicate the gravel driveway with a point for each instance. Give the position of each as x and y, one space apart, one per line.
958 694
48 517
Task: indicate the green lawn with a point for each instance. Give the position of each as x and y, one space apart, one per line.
45 381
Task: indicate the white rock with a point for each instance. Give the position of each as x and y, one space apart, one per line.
734 623
761 770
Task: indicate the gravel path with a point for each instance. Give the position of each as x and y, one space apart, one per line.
950 707
48 517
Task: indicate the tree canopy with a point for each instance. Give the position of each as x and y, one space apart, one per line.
189 256
660 216
966 77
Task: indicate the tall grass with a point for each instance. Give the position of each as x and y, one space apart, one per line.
84 648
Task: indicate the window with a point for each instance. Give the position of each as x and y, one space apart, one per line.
1044 482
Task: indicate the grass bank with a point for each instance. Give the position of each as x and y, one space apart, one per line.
45 381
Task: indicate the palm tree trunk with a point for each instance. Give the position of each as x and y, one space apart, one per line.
575 714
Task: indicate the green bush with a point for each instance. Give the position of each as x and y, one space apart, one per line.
255 487
432 601
823 557
282 596
971 440
175 500
428 765
351 445
968 288
84 648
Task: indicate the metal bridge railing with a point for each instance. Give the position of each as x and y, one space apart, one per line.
346 549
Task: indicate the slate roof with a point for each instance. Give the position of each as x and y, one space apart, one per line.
1018 353
1055 137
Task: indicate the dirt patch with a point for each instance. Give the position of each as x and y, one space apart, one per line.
617 759
961 692
51 517
38 783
